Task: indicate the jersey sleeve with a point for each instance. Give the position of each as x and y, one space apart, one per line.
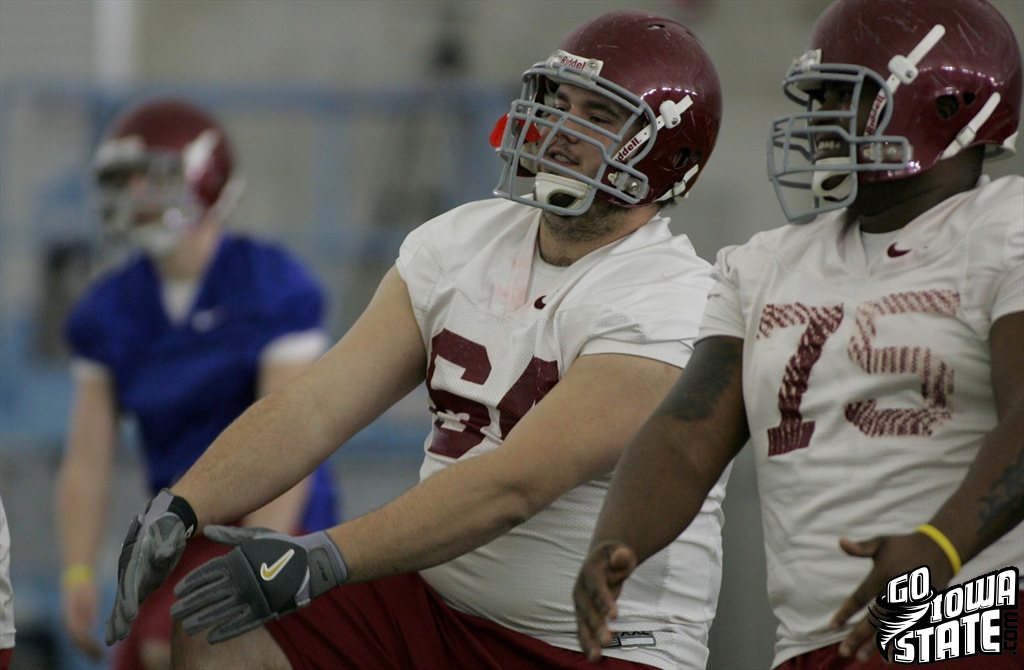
84 369
418 267
293 298
1008 294
85 329
655 319
993 281
724 314
304 310
300 347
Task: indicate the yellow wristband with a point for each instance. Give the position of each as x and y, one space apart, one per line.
76 575
939 538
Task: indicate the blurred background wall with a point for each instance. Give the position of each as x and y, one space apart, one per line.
353 121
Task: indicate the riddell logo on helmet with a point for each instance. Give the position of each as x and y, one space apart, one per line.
572 61
590 66
628 148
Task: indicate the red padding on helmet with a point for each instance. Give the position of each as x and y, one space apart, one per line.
532 134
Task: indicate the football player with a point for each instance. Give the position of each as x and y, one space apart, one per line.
871 355
546 325
183 337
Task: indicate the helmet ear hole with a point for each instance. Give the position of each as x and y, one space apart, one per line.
683 157
947 106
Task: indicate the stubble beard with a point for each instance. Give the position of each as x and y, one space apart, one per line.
600 220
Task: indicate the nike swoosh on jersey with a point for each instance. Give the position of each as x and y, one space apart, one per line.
893 252
268 572
206 320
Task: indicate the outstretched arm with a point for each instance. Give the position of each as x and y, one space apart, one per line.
82 492
286 434
987 504
283 513
574 434
276 442
662 480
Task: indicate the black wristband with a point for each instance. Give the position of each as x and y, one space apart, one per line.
183 510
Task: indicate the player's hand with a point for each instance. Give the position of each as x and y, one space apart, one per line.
267 574
597 588
151 549
80 604
893 555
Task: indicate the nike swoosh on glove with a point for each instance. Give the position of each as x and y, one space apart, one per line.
266 575
151 549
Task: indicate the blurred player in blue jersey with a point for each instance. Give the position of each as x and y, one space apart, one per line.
183 337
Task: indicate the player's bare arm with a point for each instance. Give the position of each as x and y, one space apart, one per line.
987 505
82 491
574 434
278 441
284 512
678 455
377 362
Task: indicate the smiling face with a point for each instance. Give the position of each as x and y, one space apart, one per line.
837 97
642 74
570 149
837 137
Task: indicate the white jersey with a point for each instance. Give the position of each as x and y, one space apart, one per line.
867 385
495 351
6 593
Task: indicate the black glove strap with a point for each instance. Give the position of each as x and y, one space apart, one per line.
180 507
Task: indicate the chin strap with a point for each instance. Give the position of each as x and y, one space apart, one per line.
841 189
547 188
964 138
903 70
670 115
679 188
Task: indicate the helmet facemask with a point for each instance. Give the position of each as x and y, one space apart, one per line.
823 150
952 80
667 100
152 197
534 124
147 202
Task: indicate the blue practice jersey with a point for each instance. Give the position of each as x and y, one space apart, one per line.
185 382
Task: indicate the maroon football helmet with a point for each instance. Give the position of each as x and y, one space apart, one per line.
948 74
161 165
649 65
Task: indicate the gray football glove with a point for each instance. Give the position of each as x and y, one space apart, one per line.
267 574
151 549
